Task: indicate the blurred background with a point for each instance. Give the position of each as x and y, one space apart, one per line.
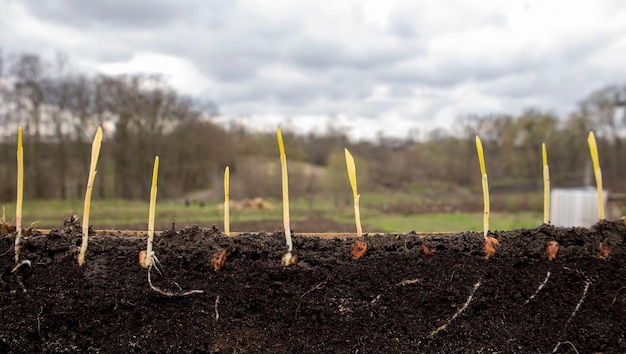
405 86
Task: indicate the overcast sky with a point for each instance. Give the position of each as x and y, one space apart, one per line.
389 66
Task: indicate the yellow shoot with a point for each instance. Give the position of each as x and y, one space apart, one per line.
352 177
481 157
546 185
593 148
153 195
20 194
95 152
226 201
483 171
287 258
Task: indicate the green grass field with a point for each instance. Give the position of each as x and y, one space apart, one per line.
122 213
442 222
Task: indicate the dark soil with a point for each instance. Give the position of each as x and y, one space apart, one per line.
390 301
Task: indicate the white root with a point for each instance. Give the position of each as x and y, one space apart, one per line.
39 321
618 291
155 263
582 298
217 302
458 312
318 286
545 281
18 279
566 342
19 265
165 292
408 282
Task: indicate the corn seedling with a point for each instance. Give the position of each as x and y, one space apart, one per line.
546 185
146 259
483 173
227 201
603 251
287 258
490 242
20 194
352 177
95 151
593 148
553 247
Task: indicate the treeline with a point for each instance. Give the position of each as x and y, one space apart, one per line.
446 159
142 117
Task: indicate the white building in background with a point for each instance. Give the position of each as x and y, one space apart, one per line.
575 206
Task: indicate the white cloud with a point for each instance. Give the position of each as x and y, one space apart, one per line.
181 73
393 65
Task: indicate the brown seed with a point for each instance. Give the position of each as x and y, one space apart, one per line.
603 251
142 258
358 249
428 251
490 246
288 259
218 260
552 248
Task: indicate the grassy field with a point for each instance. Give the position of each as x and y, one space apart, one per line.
442 222
122 213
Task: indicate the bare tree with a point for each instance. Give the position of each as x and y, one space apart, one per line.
28 72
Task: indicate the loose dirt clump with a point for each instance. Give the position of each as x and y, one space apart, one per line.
407 293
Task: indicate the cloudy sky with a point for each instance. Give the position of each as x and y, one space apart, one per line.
390 66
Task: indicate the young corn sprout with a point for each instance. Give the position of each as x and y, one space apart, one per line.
593 148
546 185
603 250
287 258
146 259
352 177
20 194
490 242
552 248
95 151
226 201
483 173
358 247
